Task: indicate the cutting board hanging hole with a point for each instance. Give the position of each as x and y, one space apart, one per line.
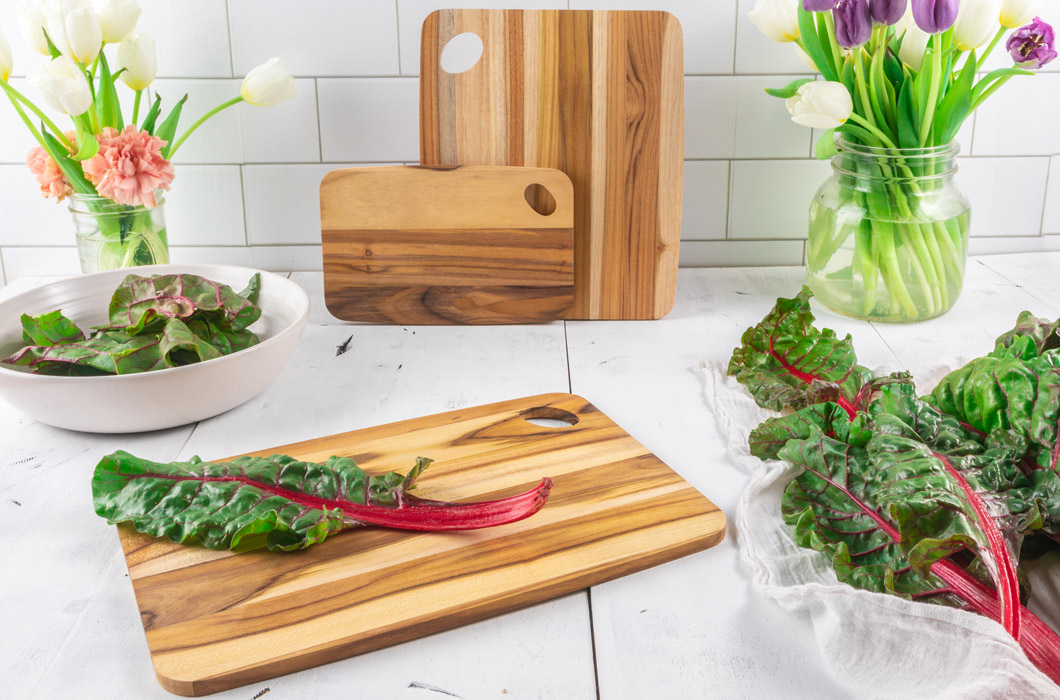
540 199
550 417
461 53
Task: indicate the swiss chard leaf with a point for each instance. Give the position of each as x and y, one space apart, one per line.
139 301
49 329
118 352
279 502
785 361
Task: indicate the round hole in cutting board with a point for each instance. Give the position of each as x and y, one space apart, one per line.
461 53
549 417
540 199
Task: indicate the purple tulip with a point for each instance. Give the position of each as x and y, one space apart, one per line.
887 11
853 22
934 16
818 5
1034 45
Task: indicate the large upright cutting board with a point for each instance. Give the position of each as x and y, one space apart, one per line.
215 620
597 94
445 245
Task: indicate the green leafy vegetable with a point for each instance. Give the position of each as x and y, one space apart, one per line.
280 502
931 498
155 323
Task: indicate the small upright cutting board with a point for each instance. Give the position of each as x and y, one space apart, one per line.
216 620
597 94
447 245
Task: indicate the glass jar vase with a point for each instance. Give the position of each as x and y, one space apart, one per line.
112 235
888 233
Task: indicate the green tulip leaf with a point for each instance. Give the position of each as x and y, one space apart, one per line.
790 89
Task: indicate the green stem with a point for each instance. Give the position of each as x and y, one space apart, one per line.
59 134
136 106
200 122
833 45
990 48
862 87
875 131
93 115
988 92
933 89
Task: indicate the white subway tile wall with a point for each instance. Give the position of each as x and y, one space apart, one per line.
247 183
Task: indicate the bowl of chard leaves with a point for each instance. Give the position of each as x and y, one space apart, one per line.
147 348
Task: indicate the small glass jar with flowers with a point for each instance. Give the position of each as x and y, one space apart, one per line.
888 232
113 171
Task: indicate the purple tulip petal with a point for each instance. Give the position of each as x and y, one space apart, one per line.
934 16
818 5
1033 45
853 22
888 11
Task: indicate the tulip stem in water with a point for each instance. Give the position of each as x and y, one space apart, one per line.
201 121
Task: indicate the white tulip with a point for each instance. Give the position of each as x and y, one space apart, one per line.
7 63
33 23
63 86
777 19
976 23
914 46
137 56
74 29
820 105
905 22
117 19
1016 13
268 84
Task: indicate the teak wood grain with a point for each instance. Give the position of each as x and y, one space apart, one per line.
419 245
596 94
216 620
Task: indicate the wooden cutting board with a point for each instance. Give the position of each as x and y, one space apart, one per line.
216 620
596 94
446 245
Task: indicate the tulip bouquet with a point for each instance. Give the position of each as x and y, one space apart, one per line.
900 77
113 169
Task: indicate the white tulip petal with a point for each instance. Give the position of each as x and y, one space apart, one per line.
63 86
7 63
977 22
820 105
32 22
137 56
268 84
777 19
1016 13
117 19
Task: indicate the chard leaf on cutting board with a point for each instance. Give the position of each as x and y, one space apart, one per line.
280 502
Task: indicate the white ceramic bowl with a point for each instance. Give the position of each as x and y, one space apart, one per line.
151 400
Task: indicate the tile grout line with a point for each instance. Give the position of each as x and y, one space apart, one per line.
246 219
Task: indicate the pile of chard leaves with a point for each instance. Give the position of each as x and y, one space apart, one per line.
154 323
280 502
932 498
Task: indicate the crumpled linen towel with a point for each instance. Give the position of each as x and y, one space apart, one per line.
877 645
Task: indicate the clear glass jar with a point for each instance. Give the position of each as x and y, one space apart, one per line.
112 235
888 233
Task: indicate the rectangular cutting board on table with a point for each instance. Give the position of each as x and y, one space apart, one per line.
216 620
597 94
447 245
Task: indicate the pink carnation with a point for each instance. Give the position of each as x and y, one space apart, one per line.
50 177
129 167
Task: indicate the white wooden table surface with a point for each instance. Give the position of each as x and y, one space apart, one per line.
693 628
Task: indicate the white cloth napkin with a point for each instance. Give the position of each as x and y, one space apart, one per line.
877 645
